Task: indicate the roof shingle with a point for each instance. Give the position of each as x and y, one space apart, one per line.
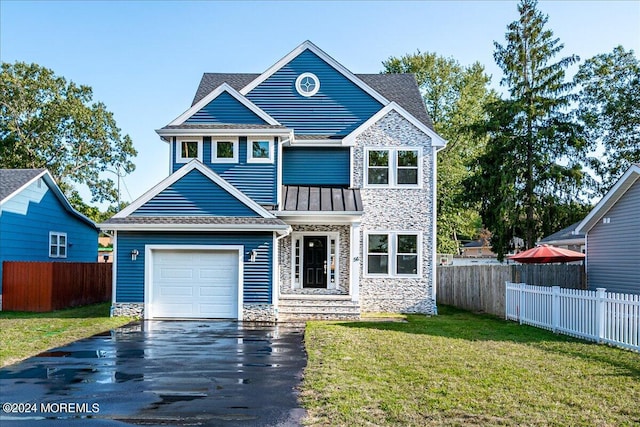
12 179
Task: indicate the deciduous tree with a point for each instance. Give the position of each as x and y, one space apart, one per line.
47 122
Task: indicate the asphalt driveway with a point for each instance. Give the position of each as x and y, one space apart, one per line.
195 373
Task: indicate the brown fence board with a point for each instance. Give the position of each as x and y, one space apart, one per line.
481 288
47 286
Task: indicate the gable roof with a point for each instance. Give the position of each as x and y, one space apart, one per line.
180 173
610 199
220 89
401 88
436 140
13 181
308 46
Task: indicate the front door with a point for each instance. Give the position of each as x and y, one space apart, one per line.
315 262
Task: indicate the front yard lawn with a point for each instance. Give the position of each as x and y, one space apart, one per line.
26 334
464 369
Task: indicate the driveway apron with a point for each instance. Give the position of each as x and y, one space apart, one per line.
196 373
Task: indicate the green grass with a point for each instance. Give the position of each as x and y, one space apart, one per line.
27 334
461 369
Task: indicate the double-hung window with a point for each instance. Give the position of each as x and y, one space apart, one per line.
57 244
393 254
188 149
225 151
393 167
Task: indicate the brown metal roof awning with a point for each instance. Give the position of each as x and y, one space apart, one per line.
321 199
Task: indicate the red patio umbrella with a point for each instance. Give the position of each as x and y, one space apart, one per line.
545 254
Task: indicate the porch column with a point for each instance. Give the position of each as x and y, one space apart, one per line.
354 273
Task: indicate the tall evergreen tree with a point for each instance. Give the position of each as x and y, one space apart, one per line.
532 161
454 96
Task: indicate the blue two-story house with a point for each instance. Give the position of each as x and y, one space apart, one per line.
306 191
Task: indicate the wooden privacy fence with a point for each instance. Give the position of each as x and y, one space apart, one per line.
480 288
48 286
593 315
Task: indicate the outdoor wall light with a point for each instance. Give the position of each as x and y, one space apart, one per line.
134 254
253 255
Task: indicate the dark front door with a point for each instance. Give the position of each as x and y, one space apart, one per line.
315 262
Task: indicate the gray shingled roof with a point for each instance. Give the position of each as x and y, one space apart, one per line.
213 220
324 199
12 179
401 88
564 234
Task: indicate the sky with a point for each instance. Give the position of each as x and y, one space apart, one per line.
144 59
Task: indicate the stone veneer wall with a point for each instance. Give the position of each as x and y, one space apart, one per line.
397 209
250 312
344 265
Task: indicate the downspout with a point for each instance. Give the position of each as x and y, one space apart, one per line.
434 231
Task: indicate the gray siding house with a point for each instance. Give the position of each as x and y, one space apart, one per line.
612 230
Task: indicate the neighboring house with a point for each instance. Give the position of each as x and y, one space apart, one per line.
303 192
105 249
478 249
612 229
566 238
37 223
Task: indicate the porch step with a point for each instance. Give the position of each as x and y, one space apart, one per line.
316 307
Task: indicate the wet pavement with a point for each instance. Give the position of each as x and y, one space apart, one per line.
182 373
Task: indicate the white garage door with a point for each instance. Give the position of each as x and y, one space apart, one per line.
195 284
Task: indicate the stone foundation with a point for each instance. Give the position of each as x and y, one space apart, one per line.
128 309
258 313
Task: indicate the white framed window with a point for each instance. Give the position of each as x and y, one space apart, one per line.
224 151
260 150
57 244
307 84
393 254
332 258
187 149
393 167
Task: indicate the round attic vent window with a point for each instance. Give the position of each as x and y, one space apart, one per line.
307 84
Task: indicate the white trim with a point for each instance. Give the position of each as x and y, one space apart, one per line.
351 168
226 132
59 234
224 87
178 148
275 271
299 87
434 230
194 164
279 164
148 269
436 140
354 274
235 148
114 270
610 199
322 55
393 167
316 143
392 253
280 229
251 159
330 235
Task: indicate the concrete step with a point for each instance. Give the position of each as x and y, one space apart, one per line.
315 307
301 317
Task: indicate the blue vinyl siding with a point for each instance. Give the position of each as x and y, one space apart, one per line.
257 275
338 108
315 166
28 217
256 180
225 109
194 194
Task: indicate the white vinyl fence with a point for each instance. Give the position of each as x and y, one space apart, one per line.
593 315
